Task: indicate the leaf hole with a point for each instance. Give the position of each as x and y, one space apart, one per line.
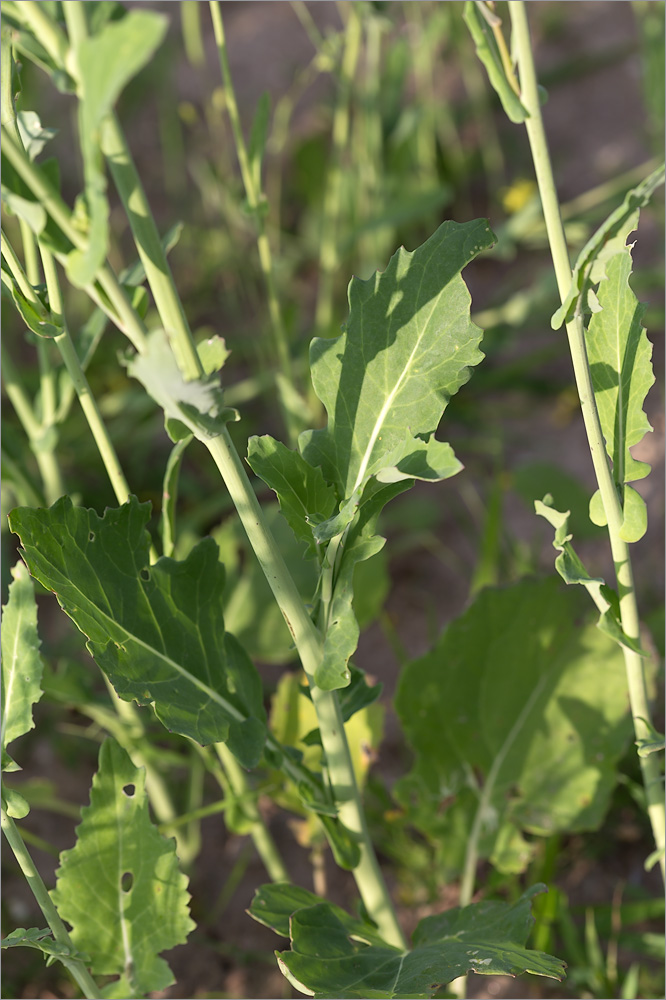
145 574
129 790
126 881
91 536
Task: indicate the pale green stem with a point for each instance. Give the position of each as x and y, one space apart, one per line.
86 399
254 198
640 706
265 845
190 23
328 248
44 28
74 966
308 642
149 245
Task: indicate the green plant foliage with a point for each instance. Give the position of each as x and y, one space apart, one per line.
488 52
303 493
22 664
407 348
536 720
119 887
156 631
572 570
105 62
196 407
607 240
621 370
41 940
335 955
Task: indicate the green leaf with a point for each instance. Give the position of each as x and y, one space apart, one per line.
35 316
619 354
105 63
156 631
22 664
536 719
33 135
611 235
300 487
119 887
407 348
198 404
335 955
652 743
572 570
42 941
488 52
170 495
212 353
342 631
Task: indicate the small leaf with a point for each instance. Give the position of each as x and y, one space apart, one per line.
119 887
156 631
170 494
212 353
42 941
652 743
488 52
198 404
571 569
22 664
335 955
300 488
13 802
35 316
612 233
33 135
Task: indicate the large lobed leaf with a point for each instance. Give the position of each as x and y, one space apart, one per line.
518 717
407 348
335 955
119 887
22 664
156 631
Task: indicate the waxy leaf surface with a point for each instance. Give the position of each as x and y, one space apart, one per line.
22 664
119 887
535 712
156 631
335 955
488 52
407 348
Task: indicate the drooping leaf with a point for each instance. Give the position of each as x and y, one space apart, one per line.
407 348
170 494
22 664
342 629
156 631
119 887
572 570
198 405
536 720
41 940
300 487
488 52
105 62
619 354
610 237
335 955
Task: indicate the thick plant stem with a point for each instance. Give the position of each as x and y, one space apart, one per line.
74 966
149 245
261 838
308 642
640 707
